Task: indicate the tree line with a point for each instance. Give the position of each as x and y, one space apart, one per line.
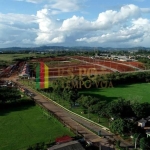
120 110
11 98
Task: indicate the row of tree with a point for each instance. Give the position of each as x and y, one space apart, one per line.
102 81
125 78
8 94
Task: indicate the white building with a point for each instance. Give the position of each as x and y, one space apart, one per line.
142 122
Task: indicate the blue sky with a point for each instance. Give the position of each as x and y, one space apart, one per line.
115 23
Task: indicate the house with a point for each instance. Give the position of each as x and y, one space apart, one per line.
132 119
142 122
25 71
63 139
148 133
148 118
72 145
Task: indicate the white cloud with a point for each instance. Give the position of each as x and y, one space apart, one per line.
64 6
111 26
105 20
59 6
15 29
137 33
31 1
76 23
139 0
145 10
13 36
11 18
109 18
120 36
34 1
123 27
48 29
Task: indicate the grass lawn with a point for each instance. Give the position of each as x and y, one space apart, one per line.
11 57
137 92
24 126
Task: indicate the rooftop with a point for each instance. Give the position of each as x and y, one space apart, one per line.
72 145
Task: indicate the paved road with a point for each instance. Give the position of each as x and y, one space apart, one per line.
78 123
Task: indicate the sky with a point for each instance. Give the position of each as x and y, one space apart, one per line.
94 23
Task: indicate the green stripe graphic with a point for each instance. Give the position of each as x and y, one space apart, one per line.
38 76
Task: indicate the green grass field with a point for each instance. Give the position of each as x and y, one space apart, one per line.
11 57
26 126
137 92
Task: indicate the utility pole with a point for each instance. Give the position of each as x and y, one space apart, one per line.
88 113
77 129
100 146
136 140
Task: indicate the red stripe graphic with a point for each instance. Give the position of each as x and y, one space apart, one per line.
42 75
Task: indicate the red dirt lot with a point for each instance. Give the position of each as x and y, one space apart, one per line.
65 66
12 69
50 59
77 70
113 64
135 64
117 66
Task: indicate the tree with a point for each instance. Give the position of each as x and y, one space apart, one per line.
144 143
118 126
89 102
141 109
74 95
9 94
118 144
70 95
123 109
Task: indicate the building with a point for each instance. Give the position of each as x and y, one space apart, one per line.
25 71
148 133
142 122
72 145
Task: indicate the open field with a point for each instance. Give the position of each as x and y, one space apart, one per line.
25 126
70 66
135 64
77 65
11 57
65 67
118 65
138 92
74 65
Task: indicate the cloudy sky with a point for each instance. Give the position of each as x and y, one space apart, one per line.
106 23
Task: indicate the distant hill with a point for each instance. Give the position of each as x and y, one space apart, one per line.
60 48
